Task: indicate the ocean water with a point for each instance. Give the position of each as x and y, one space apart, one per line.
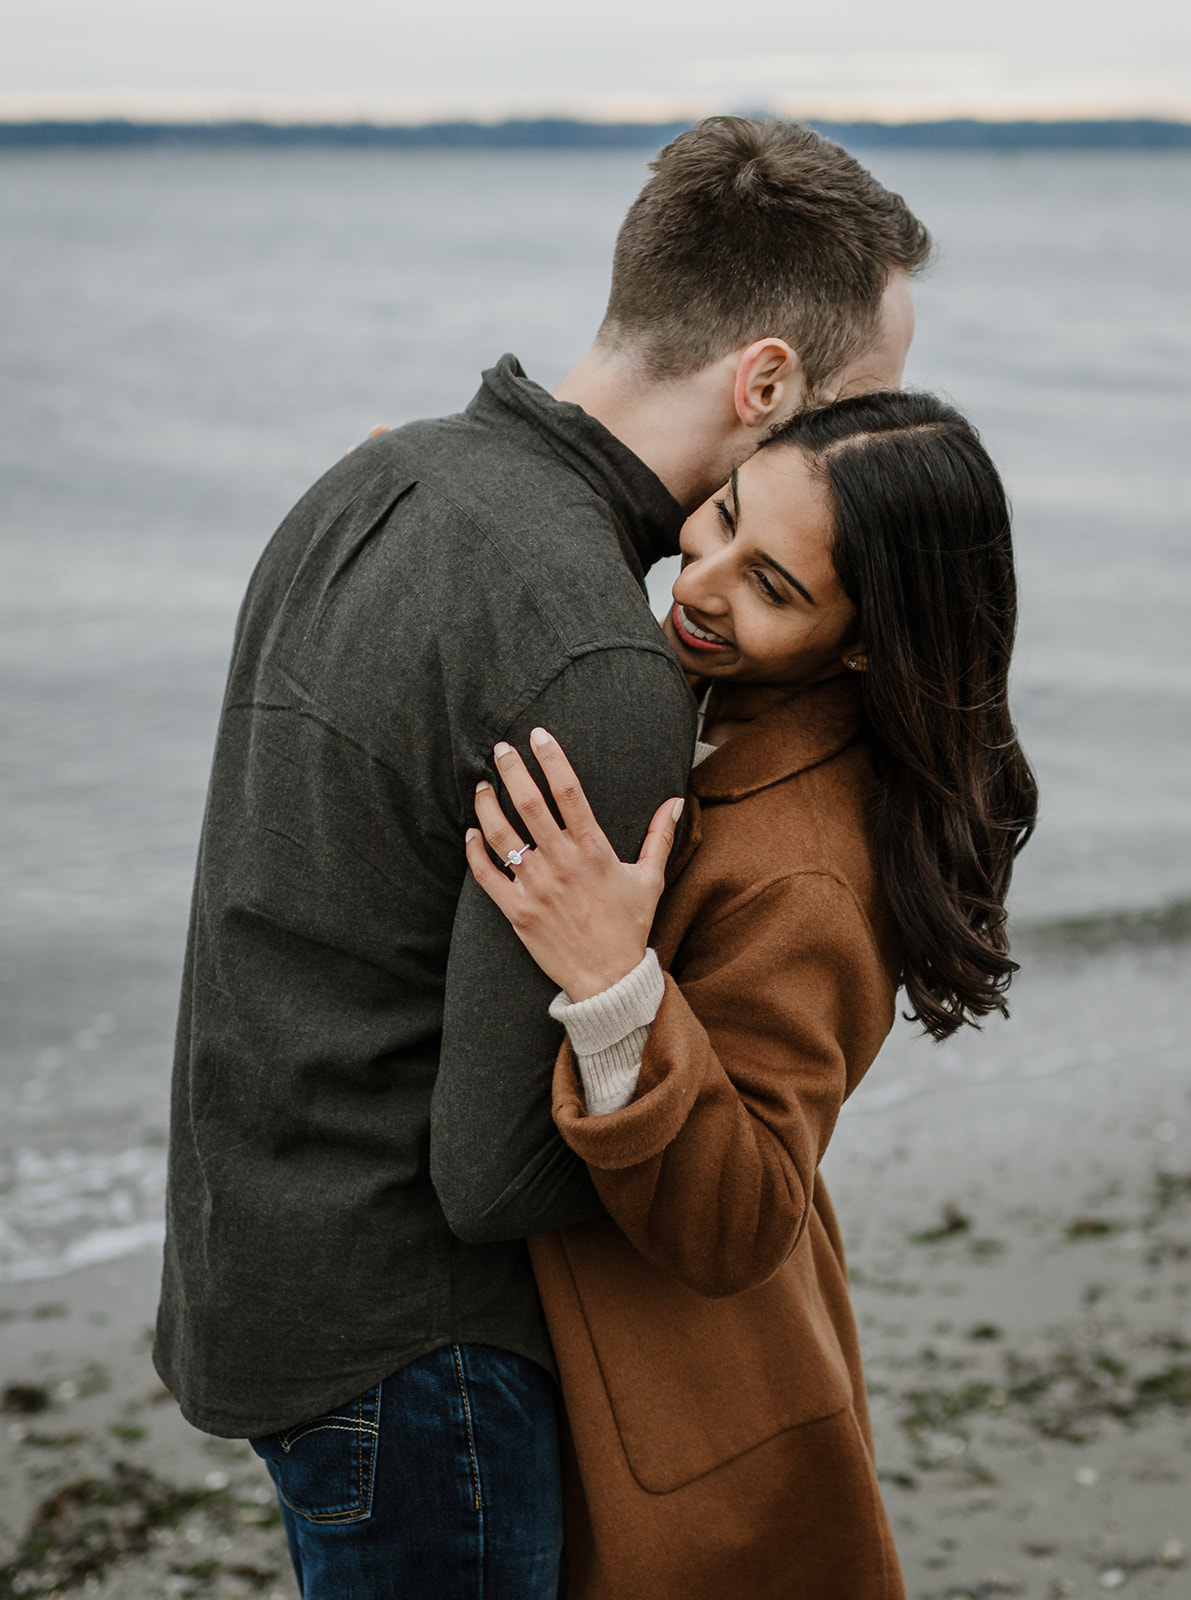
188 338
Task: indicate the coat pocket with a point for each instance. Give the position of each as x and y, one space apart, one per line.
325 1469
694 1383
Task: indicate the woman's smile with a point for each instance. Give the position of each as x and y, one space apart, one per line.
694 635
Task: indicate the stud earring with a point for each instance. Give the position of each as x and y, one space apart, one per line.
851 661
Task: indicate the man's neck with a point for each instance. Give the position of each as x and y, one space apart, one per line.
684 429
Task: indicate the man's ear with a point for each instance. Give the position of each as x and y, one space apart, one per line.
769 383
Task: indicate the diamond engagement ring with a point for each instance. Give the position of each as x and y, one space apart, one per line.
513 859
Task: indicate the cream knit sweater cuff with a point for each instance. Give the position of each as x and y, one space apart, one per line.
608 1033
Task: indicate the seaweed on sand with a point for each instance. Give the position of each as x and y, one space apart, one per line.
1064 1397
84 1527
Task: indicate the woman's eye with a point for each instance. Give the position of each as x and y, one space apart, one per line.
726 519
769 589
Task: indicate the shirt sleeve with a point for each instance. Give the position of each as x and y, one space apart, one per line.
609 1031
625 718
783 1003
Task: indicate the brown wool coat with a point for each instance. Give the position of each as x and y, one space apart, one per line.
719 1441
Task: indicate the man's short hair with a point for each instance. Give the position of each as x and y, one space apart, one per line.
752 229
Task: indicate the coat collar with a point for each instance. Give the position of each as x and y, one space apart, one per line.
647 516
802 732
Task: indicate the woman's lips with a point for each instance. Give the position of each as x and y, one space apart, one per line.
692 636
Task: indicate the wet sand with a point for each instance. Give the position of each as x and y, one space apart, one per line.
103 1486
1020 1250
1019 1223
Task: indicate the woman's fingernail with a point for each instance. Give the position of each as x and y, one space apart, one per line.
676 809
472 833
502 749
482 785
539 738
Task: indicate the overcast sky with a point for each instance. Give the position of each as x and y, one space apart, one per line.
619 58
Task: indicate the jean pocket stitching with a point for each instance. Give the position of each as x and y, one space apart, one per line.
370 1427
460 1378
324 1425
367 1432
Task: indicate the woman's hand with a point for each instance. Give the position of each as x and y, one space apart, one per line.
583 915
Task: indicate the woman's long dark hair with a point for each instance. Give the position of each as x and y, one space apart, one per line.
924 552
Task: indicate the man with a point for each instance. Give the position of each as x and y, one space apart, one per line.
345 1278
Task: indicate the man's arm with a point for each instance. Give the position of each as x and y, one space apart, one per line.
626 720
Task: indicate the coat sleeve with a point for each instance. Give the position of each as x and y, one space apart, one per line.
501 1171
710 1171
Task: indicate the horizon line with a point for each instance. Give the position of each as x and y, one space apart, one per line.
940 133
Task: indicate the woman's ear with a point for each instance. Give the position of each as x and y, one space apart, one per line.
856 659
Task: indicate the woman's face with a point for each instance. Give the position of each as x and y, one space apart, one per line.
757 599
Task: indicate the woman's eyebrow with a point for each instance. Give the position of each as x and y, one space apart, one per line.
789 577
769 561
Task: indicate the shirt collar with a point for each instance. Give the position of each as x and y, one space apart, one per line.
804 731
647 516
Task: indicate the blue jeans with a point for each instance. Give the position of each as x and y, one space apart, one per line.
441 1483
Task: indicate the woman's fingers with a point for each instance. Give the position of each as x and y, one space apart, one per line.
576 814
490 878
655 850
526 796
497 830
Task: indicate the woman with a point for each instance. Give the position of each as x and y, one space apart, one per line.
858 799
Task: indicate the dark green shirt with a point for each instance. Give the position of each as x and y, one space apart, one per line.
361 1131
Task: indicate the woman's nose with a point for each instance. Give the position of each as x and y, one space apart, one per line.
698 585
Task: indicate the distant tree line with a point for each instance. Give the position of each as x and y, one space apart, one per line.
561 133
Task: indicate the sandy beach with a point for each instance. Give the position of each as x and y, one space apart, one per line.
1018 1211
